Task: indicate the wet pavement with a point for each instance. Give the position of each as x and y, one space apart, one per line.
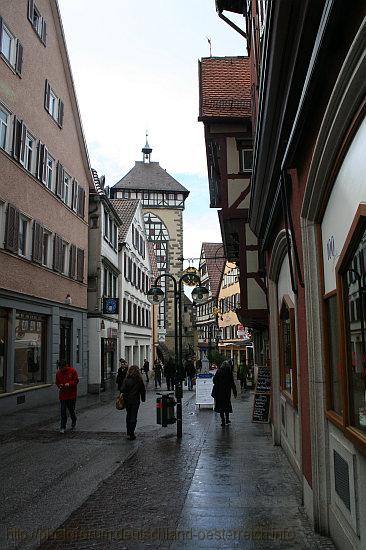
216 488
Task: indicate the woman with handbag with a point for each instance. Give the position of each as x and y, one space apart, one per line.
133 390
223 385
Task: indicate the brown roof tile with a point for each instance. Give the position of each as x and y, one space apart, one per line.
213 254
225 87
126 209
149 176
152 258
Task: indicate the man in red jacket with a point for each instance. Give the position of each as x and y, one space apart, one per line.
67 380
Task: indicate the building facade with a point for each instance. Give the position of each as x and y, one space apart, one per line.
234 338
308 211
162 199
211 267
225 109
44 186
135 313
103 287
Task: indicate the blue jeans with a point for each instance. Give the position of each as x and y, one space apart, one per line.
190 382
68 404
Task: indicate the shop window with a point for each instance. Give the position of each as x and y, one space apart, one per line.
351 284
30 339
3 348
287 340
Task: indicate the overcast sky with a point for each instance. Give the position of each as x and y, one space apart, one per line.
135 67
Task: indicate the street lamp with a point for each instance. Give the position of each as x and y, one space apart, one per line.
155 295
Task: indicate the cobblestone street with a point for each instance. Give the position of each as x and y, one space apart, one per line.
217 488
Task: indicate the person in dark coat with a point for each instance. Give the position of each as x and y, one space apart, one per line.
121 374
170 373
145 368
157 369
133 390
223 385
190 373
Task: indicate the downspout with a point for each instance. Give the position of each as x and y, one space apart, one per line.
232 24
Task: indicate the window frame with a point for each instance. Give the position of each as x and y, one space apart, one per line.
349 248
27 149
24 220
293 396
8 131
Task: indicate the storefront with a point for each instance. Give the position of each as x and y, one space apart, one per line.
35 337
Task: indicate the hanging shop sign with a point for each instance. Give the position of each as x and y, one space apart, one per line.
110 305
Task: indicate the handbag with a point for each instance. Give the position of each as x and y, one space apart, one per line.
120 402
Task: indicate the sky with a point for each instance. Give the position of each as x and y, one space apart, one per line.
135 68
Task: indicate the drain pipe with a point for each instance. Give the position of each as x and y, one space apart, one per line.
232 24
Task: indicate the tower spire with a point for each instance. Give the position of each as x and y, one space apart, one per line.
146 151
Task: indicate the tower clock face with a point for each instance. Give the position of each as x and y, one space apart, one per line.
110 305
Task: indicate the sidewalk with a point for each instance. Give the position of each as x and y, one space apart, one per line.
217 488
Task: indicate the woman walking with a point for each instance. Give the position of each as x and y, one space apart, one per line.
223 385
133 389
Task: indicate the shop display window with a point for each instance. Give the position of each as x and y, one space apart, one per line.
352 292
3 348
287 340
332 339
29 360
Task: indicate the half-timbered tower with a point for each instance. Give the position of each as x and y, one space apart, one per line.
163 200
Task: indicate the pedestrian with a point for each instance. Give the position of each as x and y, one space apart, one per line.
190 372
121 374
67 380
169 373
145 368
223 385
133 390
157 368
242 376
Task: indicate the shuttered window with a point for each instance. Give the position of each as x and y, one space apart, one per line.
57 254
80 265
72 262
12 229
10 48
53 104
81 202
37 243
37 21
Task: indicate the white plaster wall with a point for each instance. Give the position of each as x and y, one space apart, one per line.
252 261
284 283
256 296
348 191
235 187
251 239
232 156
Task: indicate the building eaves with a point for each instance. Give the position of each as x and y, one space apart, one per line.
150 176
213 255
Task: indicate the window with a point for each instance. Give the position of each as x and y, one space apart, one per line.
67 189
4 129
53 104
50 172
287 342
29 152
352 291
332 337
29 354
10 48
245 156
37 21
23 229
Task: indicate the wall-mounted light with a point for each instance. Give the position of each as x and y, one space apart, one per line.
102 325
68 300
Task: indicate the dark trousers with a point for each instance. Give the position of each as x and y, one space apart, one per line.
158 380
190 382
131 417
67 405
170 382
223 417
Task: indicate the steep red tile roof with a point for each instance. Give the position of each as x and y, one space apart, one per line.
126 209
152 258
213 254
224 84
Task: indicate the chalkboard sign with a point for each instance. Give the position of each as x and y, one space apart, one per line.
263 380
261 407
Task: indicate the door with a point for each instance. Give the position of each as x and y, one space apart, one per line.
65 340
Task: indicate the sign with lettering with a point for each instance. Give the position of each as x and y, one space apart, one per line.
262 396
204 385
261 407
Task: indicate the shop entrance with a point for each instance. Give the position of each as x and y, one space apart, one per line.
109 347
65 340
3 340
